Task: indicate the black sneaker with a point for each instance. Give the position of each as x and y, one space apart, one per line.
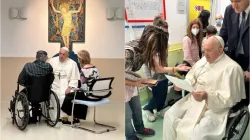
146 132
66 122
76 121
33 120
136 138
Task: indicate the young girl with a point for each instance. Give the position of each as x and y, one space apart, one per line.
149 50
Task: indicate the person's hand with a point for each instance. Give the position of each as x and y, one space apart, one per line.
177 88
139 83
81 1
183 67
199 95
247 75
51 1
68 90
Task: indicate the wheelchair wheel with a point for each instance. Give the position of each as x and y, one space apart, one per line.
52 110
239 127
21 111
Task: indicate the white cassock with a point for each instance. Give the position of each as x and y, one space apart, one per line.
66 75
188 119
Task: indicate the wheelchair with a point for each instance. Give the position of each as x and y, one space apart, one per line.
37 92
238 118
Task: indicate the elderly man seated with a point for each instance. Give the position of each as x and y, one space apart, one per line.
37 68
219 84
66 77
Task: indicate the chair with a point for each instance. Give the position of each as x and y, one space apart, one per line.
237 124
97 88
37 90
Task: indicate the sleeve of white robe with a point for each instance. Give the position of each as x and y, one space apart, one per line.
190 75
75 76
231 91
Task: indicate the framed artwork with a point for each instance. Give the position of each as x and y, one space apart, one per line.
66 21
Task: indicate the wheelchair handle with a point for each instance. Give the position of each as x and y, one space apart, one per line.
17 87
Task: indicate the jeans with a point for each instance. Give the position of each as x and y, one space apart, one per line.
159 96
133 113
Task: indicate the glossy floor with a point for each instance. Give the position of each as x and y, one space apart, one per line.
112 114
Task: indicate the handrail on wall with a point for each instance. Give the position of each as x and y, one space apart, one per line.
177 49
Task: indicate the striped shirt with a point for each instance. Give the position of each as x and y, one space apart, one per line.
133 62
37 68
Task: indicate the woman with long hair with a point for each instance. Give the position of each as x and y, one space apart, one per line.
150 49
204 18
159 92
192 42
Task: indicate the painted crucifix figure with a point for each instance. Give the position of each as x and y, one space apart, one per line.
66 22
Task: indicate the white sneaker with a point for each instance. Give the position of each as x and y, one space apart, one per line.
150 116
162 112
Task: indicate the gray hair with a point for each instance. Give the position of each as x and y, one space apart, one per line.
41 55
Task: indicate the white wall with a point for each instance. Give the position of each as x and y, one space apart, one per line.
104 39
177 22
221 6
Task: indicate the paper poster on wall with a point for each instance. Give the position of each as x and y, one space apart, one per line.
196 6
128 34
138 29
133 32
144 10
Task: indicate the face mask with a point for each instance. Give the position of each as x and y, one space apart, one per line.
195 31
218 22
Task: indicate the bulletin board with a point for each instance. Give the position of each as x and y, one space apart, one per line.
133 32
144 10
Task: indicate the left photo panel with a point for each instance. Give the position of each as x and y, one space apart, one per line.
62 69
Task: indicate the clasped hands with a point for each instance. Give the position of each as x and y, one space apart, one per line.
198 95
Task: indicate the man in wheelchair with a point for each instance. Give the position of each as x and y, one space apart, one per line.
37 68
219 85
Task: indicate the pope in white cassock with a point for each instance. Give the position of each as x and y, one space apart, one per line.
66 75
219 84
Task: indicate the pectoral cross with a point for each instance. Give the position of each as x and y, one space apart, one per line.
59 75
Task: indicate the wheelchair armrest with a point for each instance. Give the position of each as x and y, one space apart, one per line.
78 89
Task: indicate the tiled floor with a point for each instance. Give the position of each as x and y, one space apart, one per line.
112 114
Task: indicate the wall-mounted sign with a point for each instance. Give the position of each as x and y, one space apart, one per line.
198 8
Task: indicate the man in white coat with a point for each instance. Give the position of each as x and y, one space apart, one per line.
219 84
66 75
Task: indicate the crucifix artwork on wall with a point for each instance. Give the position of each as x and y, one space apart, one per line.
66 22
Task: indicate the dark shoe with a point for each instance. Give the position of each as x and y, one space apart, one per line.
66 122
76 121
32 120
136 138
146 132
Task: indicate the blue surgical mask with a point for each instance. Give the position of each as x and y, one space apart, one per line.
218 22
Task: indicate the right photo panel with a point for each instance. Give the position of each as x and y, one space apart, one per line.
187 69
